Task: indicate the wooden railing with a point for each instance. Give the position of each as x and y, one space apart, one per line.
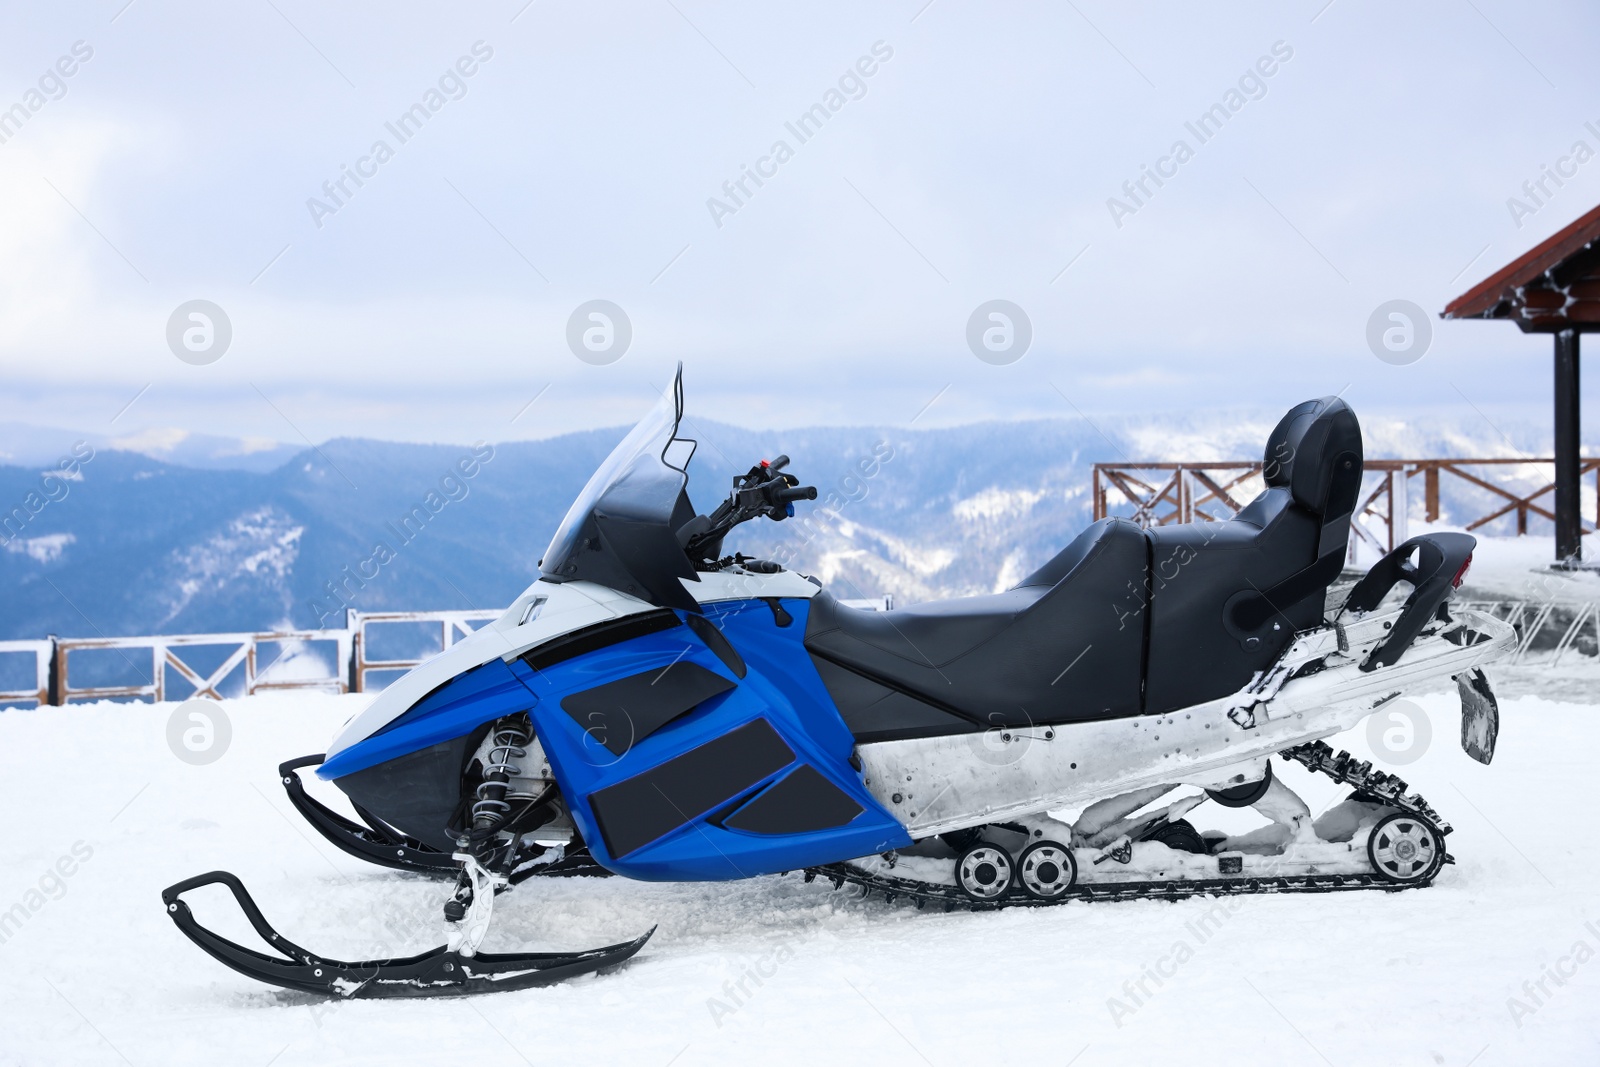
453 626
1180 492
167 652
241 668
43 653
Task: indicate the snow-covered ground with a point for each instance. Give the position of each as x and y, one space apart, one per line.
1495 964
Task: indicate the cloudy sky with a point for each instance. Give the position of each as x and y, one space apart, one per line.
556 154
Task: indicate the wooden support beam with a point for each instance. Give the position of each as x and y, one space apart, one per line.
1569 522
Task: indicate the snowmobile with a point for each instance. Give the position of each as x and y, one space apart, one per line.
656 708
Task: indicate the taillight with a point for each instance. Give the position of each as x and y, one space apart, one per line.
1461 575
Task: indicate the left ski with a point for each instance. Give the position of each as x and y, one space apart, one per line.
371 843
440 972
376 843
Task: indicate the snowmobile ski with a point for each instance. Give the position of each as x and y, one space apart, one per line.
379 844
441 972
373 843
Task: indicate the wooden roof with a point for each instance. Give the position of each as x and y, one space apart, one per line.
1553 286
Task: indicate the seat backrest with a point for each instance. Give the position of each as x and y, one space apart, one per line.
1315 453
1228 597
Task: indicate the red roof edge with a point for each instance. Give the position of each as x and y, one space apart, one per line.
1482 298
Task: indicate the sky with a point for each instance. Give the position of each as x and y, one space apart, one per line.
955 154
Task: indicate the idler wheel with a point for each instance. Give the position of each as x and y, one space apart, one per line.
1046 870
984 872
1404 849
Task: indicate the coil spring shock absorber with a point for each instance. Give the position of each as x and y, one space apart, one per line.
511 737
492 804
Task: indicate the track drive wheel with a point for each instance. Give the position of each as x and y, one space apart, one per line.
984 872
1405 849
1046 870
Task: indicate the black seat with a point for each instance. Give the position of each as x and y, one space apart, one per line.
1227 597
1050 650
1122 621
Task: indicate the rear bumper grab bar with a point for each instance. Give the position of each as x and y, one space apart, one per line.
1440 558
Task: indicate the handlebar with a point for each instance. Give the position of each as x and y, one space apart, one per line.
762 491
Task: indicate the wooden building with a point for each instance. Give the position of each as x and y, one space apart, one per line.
1553 288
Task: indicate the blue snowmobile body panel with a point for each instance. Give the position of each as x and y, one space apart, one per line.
677 760
468 700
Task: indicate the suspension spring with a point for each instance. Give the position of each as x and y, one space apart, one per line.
511 737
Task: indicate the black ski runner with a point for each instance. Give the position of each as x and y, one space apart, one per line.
373 844
436 973
1376 786
378 844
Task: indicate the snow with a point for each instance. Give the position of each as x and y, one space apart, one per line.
996 505
96 973
262 543
156 442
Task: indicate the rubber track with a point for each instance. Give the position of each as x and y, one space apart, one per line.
1316 756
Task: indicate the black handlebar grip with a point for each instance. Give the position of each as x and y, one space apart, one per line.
779 463
799 492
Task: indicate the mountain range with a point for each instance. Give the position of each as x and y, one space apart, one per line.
167 533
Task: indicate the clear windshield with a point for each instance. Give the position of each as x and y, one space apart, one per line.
638 483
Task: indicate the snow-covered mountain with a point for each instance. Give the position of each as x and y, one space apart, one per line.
122 541
25 445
